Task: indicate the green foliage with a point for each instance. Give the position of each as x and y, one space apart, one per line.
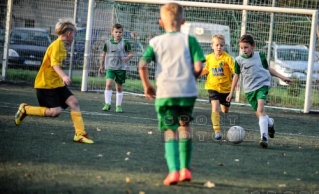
294 88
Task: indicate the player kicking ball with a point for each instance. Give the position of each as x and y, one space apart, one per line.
256 74
50 84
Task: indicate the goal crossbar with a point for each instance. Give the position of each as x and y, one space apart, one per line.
227 6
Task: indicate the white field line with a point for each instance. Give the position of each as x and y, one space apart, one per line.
10 105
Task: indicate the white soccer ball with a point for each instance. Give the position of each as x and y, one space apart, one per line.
236 134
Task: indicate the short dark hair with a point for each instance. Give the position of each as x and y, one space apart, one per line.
247 38
117 26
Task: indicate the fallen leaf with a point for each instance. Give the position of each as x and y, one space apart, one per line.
220 164
209 184
299 146
52 133
84 149
285 172
150 132
236 160
316 172
19 164
141 192
128 153
100 155
282 185
127 179
98 177
28 174
126 158
298 179
283 154
127 192
157 184
98 129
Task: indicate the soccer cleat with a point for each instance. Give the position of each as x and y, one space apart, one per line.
106 107
218 136
172 178
20 114
185 175
271 129
118 109
264 141
82 138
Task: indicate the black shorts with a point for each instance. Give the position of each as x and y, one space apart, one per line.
52 98
214 95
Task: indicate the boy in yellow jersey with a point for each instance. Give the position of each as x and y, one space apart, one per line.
219 67
179 59
50 84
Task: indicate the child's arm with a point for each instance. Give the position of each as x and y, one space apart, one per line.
198 67
204 72
276 74
233 86
101 69
149 90
61 73
128 57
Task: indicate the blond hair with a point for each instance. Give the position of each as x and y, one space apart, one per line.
218 37
65 25
173 13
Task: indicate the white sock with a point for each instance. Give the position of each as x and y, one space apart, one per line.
108 96
270 123
263 124
119 98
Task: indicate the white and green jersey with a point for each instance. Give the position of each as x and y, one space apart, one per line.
254 71
174 54
115 51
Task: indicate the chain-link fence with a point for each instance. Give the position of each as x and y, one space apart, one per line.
289 52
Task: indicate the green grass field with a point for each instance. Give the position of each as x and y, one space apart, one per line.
39 156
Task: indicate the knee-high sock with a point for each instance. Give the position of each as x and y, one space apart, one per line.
171 155
263 124
216 121
35 110
119 98
78 122
185 152
108 96
270 123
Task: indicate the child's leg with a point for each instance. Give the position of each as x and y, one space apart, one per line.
172 157
185 145
108 91
25 110
76 115
171 150
119 94
215 117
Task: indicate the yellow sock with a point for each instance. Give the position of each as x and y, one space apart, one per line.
78 122
216 121
35 110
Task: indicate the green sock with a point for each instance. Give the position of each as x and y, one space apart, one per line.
185 152
171 155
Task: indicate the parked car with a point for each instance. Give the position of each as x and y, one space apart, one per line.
292 61
27 47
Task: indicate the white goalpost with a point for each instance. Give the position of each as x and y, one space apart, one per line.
309 12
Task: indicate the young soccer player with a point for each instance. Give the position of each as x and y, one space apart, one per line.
256 75
115 59
179 59
50 84
219 67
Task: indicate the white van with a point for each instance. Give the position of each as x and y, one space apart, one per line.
204 32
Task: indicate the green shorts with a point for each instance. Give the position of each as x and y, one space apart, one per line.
169 114
254 96
117 75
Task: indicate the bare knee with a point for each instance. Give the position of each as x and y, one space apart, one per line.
54 112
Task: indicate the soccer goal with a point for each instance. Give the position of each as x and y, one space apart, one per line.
287 36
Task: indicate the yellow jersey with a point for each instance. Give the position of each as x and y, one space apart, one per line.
47 78
220 72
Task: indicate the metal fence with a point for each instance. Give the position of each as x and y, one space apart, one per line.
291 36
